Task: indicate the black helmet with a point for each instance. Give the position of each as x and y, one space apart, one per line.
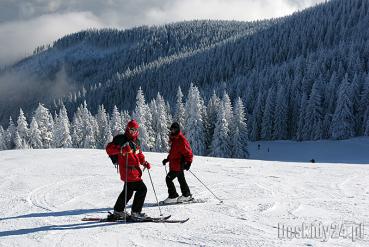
174 128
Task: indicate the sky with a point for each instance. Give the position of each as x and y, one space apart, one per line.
26 24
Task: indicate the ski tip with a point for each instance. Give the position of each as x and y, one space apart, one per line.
181 221
167 217
172 221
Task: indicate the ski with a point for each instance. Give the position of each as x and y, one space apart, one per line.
162 203
128 219
175 221
164 219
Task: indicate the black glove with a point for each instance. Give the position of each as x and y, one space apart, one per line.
114 159
165 161
187 166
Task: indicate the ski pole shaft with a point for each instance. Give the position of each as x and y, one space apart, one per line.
206 186
166 172
152 184
125 191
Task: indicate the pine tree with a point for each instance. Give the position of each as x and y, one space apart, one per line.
356 87
125 118
343 122
77 129
240 137
212 110
160 124
194 121
155 124
314 114
45 125
220 145
104 132
143 116
22 127
84 128
364 103
366 123
268 116
179 110
256 120
62 137
18 141
116 122
10 134
327 126
35 135
2 138
89 128
301 124
91 133
330 95
169 116
280 115
294 98
228 109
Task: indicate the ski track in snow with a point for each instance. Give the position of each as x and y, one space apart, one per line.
42 202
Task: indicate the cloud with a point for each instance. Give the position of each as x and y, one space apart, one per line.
19 38
17 88
304 3
24 25
219 9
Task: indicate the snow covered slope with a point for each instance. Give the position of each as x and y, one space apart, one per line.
352 151
45 193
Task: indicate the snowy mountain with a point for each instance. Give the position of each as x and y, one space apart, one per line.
85 60
45 193
301 77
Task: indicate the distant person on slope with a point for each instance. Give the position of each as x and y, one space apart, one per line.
126 151
179 158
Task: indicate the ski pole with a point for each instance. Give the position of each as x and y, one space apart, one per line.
152 184
125 183
125 191
166 172
205 186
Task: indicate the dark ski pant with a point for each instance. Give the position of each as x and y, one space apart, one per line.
138 200
182 182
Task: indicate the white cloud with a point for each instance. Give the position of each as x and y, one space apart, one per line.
20 38
220 9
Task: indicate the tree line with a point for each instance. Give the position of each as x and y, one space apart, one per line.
216 128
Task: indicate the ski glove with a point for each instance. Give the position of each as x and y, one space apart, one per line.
165 161
187 166
114 159
147 165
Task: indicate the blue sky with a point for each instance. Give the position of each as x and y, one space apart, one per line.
25 25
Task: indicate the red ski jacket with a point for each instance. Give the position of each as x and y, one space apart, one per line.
180 151
128 153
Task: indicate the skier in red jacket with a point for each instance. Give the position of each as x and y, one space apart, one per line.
126 151
179 158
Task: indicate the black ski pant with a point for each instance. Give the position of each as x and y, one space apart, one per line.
182 182
138 200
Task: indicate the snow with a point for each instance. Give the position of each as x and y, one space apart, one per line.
45 193
352 151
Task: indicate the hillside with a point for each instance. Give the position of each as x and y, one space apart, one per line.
80 61
45 193
301 77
